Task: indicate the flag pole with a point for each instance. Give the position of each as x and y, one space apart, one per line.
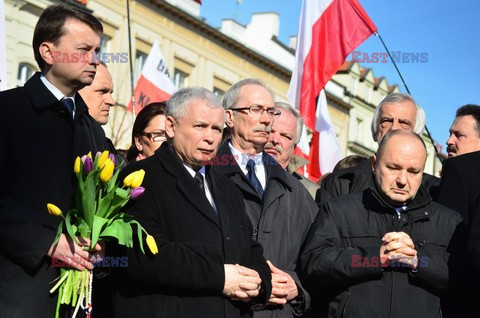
408 91
131 63
131 76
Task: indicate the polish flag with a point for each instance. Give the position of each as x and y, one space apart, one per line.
154 84
3 49
329 30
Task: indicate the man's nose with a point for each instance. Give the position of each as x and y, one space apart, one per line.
450 140
402 177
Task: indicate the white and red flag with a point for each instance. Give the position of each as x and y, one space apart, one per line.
154 84
329 30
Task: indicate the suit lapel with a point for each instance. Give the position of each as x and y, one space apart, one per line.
220 196
185 183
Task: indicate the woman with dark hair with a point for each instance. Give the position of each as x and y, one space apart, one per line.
148 131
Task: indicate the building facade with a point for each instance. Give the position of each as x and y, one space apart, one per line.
197 54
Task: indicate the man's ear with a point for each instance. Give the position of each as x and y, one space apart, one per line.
229 118
374 162
170 125
48 53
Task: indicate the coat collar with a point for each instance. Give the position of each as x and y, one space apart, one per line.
187 186
374 201
227 165
41 97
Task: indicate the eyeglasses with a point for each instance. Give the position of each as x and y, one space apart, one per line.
155 136
256 111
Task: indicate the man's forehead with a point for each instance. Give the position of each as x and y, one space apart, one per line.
256 94
404 108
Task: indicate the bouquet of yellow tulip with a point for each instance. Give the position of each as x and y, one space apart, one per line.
97 216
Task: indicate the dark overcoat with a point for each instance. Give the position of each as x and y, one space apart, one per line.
186 278
38 143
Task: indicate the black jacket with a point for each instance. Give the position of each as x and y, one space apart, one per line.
341 257
38 144
358 178
186 277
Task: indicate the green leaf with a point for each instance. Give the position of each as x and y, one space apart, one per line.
98 225
139 234
105 203
120 230
82 228
70 228
59 232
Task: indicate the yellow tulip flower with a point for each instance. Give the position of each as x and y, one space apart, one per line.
53 209
90 154
137 179
76 165
107 171
152 245
128 179
102 159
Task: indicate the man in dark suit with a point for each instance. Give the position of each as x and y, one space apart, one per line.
459 188
280 208
49 116
207 264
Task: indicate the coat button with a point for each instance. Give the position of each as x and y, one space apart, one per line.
426 213
255 231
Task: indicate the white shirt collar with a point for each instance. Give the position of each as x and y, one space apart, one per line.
242 160
55 91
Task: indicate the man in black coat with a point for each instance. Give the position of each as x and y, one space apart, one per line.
207 263
459 188
39 140
396 111
388 251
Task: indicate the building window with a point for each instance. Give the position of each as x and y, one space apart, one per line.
180 79
140 59
105 43
25 71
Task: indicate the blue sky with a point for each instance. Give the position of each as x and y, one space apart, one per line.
447 31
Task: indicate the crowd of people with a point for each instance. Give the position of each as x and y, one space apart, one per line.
239 232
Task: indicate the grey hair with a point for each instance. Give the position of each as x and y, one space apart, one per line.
232 95
178 103
420 118
296 114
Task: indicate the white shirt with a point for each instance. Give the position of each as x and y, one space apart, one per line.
56 92
242 160
208 193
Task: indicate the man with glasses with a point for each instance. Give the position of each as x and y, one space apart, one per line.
276 203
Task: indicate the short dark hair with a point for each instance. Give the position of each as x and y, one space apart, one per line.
50 26
472 110
348 162
141 122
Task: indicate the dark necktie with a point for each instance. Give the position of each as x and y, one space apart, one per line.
199 179
252 177
68 104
